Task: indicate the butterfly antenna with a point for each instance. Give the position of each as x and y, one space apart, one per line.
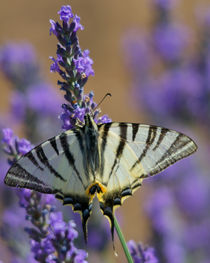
104 97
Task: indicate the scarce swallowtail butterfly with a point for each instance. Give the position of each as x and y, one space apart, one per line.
108 160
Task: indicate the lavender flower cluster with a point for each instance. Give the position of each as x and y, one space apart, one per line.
171 79
32 98
171 84
74 66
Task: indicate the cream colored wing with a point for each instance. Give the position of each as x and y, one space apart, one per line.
56 166
131 152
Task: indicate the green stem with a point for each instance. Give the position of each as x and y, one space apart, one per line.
122 241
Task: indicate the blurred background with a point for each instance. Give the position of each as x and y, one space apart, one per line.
153 56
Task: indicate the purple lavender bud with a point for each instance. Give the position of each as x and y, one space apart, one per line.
24 197
142 254
42 249
8 136
53 27
65 13
72 233
23 146
78 26
81 256
48 199
66 120
55 65
84 63
58 225
103 119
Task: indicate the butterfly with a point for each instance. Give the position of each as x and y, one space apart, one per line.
108 160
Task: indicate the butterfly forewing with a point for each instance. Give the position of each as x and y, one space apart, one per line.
155 147
53 166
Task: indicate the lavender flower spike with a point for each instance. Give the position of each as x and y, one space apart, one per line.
74 66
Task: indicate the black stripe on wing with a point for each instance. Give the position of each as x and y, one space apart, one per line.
43 158
149 141
168 157
17 176
106 128
69 156
135 128
162 135
121 146
31 157
79 136
54 144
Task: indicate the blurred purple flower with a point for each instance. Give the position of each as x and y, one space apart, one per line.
19 64
18 106
3 169
171 40
8 136
23 146
159 207
43 99
179 89
193 194
165 4
138 53
174 251
142 254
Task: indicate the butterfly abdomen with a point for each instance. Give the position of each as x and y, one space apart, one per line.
91 145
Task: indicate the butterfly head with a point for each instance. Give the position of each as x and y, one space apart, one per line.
89 122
